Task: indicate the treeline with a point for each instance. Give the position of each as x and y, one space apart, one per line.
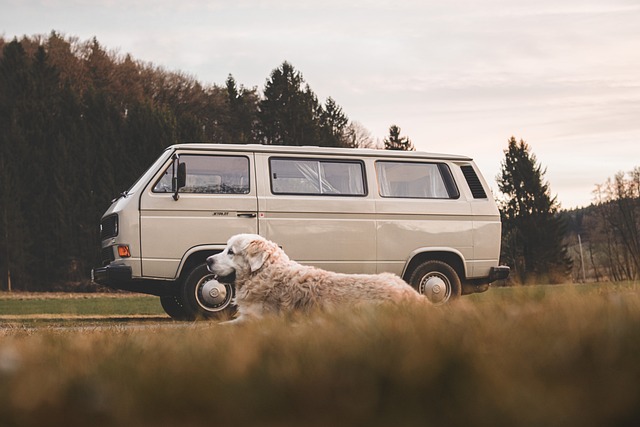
604 238
543 244
78 124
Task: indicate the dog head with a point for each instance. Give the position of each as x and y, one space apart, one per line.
244 255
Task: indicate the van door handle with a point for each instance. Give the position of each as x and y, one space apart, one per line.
247 215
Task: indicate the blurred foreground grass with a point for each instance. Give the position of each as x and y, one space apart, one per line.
534 356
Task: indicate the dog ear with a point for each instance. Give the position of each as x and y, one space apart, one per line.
257 253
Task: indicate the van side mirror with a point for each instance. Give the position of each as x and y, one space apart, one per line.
182 175
179 178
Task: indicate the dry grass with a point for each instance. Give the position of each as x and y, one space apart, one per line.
552 356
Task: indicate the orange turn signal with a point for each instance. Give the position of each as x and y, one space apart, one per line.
123 251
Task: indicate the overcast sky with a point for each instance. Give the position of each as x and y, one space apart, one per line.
458 76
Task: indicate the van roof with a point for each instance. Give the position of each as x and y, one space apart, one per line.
307 149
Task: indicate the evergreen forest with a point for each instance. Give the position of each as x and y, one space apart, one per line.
78 125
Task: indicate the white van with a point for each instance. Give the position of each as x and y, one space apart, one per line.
429 218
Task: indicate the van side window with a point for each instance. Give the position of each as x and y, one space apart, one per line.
210 175
317 177
416 180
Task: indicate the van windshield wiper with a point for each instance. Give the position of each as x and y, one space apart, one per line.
124 194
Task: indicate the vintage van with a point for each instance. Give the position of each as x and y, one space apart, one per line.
430 218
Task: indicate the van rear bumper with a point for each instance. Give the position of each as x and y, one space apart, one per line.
120 277
500 272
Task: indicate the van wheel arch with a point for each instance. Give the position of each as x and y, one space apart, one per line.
450 258
194 260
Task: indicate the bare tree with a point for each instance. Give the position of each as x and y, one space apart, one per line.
360 137
617 233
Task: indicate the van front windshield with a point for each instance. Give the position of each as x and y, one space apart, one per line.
148 174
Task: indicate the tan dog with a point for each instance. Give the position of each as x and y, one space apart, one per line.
267 281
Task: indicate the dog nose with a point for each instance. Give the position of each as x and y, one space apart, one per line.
210 261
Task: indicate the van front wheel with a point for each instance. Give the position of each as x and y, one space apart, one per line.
173 307
206 298
437 281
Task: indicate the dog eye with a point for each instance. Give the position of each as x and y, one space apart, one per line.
230 252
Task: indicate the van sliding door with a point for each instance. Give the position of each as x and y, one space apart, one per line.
317 209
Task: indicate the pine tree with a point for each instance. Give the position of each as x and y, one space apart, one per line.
14 228
395 142
532 230
288 112
333 125
238 122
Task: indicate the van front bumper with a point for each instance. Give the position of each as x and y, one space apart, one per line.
119 276
111 275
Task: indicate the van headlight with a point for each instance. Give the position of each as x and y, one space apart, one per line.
109 227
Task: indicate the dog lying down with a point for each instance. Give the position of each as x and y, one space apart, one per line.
268 282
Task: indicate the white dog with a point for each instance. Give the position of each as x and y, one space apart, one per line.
267 281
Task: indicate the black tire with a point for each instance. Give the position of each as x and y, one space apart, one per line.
204 297
437 281
173 306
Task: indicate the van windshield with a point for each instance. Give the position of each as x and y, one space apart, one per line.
148 174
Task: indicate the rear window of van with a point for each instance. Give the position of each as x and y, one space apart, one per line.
415 180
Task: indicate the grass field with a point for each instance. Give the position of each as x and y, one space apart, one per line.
531 356
47 307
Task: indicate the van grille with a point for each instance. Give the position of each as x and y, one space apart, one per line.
474 182
109 227
107 255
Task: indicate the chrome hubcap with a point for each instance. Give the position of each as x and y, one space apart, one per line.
213 295
436 287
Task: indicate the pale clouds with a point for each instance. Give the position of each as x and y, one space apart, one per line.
460 76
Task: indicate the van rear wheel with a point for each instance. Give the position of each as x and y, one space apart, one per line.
206 298
437 281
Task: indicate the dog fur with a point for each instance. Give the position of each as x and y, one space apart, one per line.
268 282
